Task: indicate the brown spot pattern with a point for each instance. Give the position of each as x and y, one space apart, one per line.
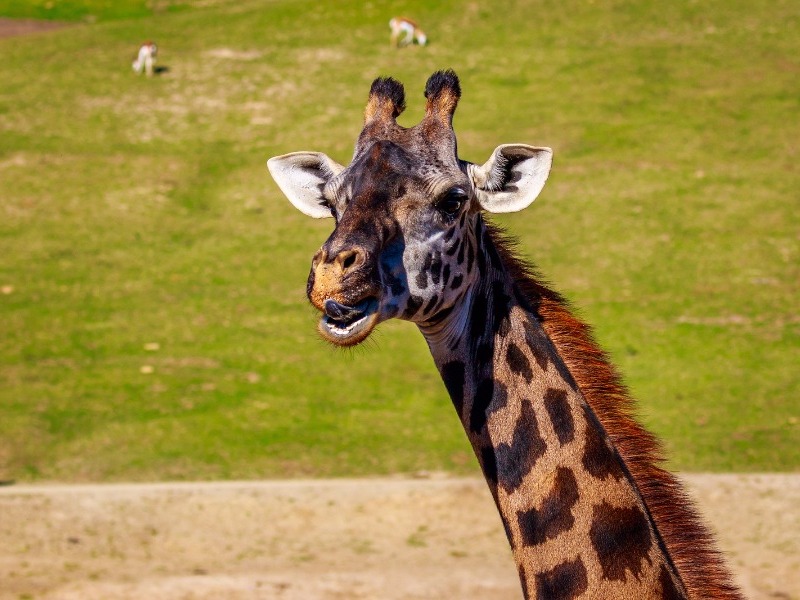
566 581
422 276
501 310
515 460
518 362
453 377
558 409
489 466
534 343
598 459
490 397
555 515
621 537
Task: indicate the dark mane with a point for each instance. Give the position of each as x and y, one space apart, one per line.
690 544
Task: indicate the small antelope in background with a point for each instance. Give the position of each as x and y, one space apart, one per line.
405 32
146 58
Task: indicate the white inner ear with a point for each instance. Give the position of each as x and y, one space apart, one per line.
302 177
512 177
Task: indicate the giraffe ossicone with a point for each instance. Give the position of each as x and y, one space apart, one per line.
587 509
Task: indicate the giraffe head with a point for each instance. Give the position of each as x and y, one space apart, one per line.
405 209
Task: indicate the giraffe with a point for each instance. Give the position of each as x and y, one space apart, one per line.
587 508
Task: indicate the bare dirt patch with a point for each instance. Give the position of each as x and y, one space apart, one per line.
356 539
231 54
14 27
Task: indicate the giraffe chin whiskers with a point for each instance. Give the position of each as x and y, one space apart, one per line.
354 328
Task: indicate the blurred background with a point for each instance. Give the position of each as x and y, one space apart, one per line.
153 320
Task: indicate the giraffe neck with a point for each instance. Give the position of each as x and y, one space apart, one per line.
574 514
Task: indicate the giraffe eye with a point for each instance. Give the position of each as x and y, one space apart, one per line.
452 201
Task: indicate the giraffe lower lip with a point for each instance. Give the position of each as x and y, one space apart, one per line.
355 328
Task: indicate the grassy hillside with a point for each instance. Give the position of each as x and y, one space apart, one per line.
153 323
91 11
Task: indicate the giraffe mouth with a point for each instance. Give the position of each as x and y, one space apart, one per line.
348 325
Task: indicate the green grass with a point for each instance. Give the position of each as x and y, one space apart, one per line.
91 11
136 212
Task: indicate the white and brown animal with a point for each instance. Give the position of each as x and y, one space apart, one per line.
146 58
588 509
406 32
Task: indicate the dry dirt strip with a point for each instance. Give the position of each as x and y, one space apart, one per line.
14 27
382 539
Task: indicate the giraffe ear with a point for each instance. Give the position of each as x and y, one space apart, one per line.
512 177
302 177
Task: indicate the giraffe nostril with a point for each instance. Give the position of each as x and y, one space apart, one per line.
349 259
